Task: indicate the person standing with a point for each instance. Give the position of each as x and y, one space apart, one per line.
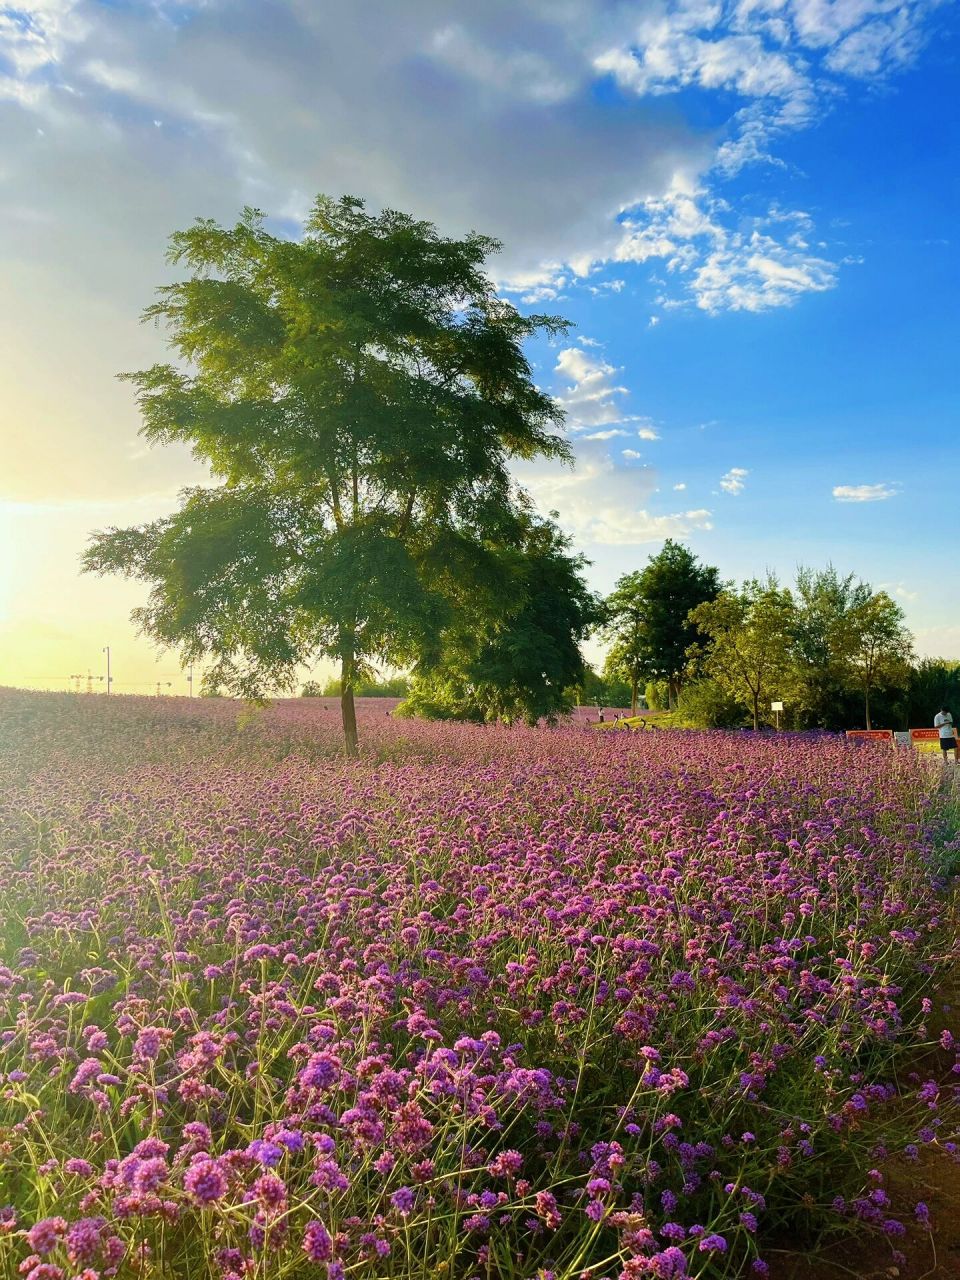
943 721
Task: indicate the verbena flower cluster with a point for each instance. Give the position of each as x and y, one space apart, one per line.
491 1003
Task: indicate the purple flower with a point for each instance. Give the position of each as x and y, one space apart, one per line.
292 1139
85 1240
150 1174
507 1164
44 1236
271 1191
149 1042
317 1242
269 1154
46 1271
669 1264
205 1181
320 1072
402 1200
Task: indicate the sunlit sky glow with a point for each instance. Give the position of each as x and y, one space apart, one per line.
748 208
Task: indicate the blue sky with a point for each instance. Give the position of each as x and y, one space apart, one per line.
747 208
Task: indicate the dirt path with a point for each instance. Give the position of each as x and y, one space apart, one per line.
933 1255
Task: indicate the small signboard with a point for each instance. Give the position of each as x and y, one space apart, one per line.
776 706
871 735
902 737
925 739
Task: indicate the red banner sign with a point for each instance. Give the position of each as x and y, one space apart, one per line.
924 735
871 735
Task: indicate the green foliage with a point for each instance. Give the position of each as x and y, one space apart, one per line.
649 617
705 704
931 684
604 689
657 694
749 645
359 395
834 644
524 661
878 646
368 687
825 602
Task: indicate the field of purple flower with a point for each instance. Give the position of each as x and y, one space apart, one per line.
485 1003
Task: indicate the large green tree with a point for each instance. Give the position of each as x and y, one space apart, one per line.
825 602
648 617
850 642
748 650
522 661
878 646
358 395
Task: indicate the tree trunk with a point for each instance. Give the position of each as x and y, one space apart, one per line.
673 693
633 694
348 711
866 705
756 712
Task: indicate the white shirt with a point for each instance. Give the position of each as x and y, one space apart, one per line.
944 722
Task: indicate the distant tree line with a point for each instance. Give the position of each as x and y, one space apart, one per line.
833 650
366 687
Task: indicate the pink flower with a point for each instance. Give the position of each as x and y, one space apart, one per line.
317 1242
44 1236
205 1181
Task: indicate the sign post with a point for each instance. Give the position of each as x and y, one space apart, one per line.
776 708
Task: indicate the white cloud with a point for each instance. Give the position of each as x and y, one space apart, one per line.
733 481
900 590
610 527
520 73
721 262
33 37
680 487
940 641
669 57
603 503
787 61
541 284
593 398
606 286
631 454
472 115
864 492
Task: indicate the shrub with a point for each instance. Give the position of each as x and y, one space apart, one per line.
704 705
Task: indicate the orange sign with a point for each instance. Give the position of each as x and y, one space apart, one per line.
871 735
929 739
924 735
